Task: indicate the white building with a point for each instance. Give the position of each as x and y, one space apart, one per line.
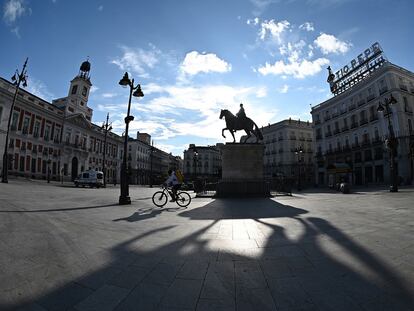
202 162
289 150
349 131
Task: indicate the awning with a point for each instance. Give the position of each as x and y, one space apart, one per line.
336 168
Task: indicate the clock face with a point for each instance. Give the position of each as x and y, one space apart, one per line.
84 91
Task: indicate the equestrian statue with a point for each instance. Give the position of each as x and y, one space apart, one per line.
240 122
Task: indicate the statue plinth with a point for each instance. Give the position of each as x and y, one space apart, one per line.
242 171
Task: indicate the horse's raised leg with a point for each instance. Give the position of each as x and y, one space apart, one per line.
222 132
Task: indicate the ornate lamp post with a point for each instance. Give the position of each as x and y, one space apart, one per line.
17 79
391 142
151 155
48 170
106 127
195 158
125 81
298 152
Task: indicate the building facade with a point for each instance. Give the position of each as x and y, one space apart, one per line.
148 164
289 150
57 140
350 132
202 162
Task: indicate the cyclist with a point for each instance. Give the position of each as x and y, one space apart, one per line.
173 182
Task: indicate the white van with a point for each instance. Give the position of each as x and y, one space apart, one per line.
90 178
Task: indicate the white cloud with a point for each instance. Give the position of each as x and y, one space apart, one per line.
261 5
253 21
138 60
297 69
190 110
38 88
93 89
284 89
15 30
273 29
261 92
13 9
195 63
109 95
330 44
308 26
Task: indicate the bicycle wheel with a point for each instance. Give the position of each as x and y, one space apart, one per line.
159 198
183 199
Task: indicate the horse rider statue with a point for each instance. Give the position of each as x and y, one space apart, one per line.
240 122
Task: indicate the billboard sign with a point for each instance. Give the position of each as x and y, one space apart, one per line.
357 69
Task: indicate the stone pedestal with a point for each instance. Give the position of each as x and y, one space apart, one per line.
242 171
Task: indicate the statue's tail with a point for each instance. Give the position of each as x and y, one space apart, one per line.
258 132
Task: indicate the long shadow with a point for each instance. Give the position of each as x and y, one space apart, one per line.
242 209
60 209
198 270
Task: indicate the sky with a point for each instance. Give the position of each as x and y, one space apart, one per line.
194 58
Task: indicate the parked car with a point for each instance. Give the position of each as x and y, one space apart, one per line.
90 178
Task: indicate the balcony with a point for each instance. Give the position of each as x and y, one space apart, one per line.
346 147
355 145
280 138
354 125
351 107
292 137
383 90
361 103
403 87
328 134
377 141
373 118
327 118
370 97
336 131
366 142
345 128
363 121
317 122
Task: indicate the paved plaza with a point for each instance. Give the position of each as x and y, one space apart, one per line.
64 248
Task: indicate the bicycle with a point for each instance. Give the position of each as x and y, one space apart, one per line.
160 198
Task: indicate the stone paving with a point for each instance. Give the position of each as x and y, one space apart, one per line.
63 248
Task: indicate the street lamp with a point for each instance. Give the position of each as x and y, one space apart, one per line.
298 152
48 170
106 127
17 79
125 81
195 158
391 142
151 155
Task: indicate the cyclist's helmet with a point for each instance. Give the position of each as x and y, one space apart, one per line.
169 172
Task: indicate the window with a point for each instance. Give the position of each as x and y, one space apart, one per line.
84 92
410 126
47 133
1 113
74 89
26 122
14 121
21 166
36 129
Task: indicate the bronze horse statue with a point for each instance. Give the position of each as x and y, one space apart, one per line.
234 124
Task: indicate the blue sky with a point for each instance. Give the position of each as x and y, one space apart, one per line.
194 58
